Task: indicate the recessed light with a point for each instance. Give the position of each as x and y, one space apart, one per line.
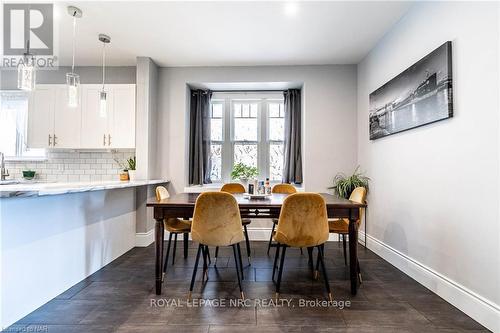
291 9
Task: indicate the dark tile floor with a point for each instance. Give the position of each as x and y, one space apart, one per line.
119 298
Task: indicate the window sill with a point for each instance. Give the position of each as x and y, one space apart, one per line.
217 187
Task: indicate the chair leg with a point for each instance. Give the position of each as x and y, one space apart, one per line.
247 240
168 253
310 260
316 271
216 255
241 262
301 252
175 248
270 239
276 256
237 264
280 272
186 241
194 270
325 276
205 265
345 253
208 255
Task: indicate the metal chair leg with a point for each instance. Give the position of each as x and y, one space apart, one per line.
310 260
208 255
276 256
270 239
316 271
205 265
325 276
186 241
247 240
238 265
216 255
301 252
359 273
194 270
280 272
345 252
175 247
168 253
241 262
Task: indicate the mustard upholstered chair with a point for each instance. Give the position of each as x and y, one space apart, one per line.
235 188
216 222
174 227
341 226
303 222
285 189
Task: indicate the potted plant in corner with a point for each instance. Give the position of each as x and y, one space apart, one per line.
243 173
344 185
131 164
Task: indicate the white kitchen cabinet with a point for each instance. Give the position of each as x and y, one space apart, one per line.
115 129
52 124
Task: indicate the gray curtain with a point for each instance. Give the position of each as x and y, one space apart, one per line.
292 170
199 137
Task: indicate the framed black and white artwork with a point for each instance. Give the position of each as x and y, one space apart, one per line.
420 95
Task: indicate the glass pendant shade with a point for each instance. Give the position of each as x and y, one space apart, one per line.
73 83
103 104
26 73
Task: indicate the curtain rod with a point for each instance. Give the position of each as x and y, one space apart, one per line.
246 91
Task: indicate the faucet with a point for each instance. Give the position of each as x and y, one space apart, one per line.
4 173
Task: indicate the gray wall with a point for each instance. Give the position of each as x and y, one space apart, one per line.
8 78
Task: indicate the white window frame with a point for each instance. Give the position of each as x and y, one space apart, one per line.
263 142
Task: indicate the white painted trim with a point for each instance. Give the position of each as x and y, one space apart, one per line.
476 306
144 239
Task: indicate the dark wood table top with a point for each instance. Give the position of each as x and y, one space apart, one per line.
275 201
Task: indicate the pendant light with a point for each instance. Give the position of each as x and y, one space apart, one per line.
73 79
26 72
103 96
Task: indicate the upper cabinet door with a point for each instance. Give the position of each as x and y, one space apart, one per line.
41 117
67 121
122 130
95 133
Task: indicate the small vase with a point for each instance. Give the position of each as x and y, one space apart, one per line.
131 175
244 182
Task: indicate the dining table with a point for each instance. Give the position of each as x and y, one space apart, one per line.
181 205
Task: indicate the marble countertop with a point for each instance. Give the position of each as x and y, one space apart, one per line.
42 189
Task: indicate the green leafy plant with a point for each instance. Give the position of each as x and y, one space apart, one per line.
344 185
131 162
243 171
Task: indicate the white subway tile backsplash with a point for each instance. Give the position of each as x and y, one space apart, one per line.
74 166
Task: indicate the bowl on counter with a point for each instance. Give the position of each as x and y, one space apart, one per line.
29 174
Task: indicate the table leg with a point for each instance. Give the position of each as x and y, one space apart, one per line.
353 254
159 230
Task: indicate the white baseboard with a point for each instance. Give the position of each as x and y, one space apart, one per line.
144 239
477 307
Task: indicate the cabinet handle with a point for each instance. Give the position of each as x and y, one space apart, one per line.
104 140
109 140
50 140
55 142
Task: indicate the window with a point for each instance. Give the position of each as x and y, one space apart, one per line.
247 128
14 125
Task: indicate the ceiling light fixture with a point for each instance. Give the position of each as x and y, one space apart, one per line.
103 96
73 79
26 71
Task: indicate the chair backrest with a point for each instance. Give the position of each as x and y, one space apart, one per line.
284 188
303 220
233 188
216 220
161 193
359 196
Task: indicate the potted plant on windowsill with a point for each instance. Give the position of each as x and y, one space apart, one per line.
243 173
344 185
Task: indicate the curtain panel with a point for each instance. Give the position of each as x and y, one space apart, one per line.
199 137
292 169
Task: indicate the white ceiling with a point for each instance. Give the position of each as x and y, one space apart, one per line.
226 33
